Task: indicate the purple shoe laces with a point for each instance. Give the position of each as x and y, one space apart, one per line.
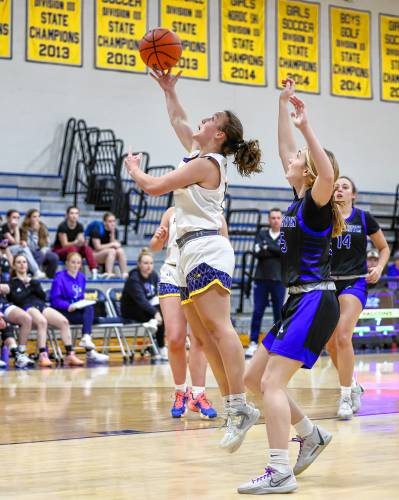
268 472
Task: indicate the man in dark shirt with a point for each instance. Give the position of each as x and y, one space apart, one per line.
103 239
268 278
70 238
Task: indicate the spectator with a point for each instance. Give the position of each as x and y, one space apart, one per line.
36 235
103 238
69 287
70 238
11 233
268 279
28 294
140 301
393 271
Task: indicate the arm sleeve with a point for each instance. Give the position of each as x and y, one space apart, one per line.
136 292
316 218
38 290
56 298
372 225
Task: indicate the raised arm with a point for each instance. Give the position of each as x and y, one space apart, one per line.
286 142
161 234
177 115
323 187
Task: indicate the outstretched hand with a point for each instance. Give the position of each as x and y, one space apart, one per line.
132 161
299 116
288 90
166 80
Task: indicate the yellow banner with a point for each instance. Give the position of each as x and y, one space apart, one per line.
54 32
189 20
298 44
5 29
389 57
119 29
243 42
350 53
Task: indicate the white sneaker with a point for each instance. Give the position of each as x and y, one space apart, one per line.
252 348
39 275
23 361
163 351
310 448
239 420
96 357
356 396
2 364
151 326
345 411
271 481
87 342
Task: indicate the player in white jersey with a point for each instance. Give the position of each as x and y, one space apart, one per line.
206 259
176 328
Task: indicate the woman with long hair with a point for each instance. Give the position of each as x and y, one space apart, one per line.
351 275
176 328
28 294
35 233
311 312
206 258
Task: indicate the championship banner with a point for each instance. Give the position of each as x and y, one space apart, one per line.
5 29
298 44
120 26
189 20
389 57
350 53
243 40
54 32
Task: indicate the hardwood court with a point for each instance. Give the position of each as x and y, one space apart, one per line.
106 433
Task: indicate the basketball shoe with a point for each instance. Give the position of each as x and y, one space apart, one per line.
345 411
239 420
356 396
179 408
201 405
272 481
310 448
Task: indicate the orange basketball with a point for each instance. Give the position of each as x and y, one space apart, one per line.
160 49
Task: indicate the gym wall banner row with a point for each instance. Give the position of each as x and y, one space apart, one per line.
54 35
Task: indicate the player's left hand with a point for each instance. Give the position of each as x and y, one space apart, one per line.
374 274
299 116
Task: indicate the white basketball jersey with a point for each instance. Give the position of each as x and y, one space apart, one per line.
198 208
172 250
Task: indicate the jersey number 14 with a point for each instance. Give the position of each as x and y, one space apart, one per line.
344 241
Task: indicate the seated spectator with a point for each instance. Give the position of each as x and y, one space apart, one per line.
35 234
28 294
70 239
393 271
11 233
268 280
69 287
103 238
140 301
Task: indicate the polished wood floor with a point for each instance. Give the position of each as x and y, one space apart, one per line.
106 433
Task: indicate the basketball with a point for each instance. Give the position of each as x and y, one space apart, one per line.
160 49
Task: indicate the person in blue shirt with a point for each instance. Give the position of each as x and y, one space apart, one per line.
69 287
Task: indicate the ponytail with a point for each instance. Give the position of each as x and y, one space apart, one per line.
247 154
144 253
338 219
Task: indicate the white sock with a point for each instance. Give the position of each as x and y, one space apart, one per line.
346 391
304 427
278 460
197 390
237 399
181 387
22 348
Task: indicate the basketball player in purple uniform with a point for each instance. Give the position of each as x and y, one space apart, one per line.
351 276
311 312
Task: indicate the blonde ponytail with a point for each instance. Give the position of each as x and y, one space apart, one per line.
338 220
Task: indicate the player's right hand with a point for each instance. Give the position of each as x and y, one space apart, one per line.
161 233
288 90
166 80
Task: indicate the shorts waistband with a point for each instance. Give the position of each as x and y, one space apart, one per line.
310 287
193 235
348 277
